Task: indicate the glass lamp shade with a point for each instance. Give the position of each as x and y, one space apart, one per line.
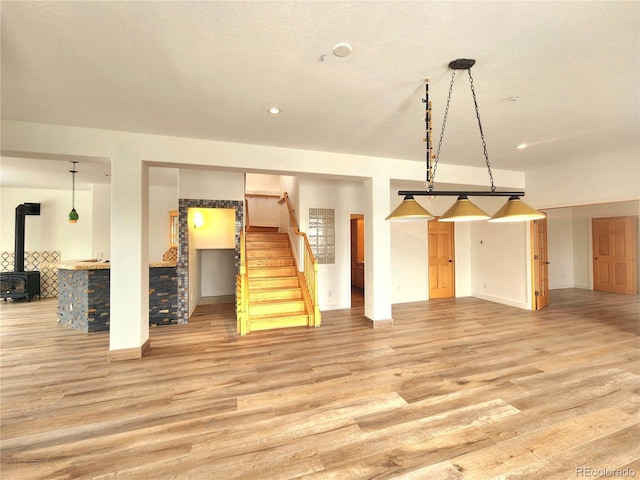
409 211
73 216
463 211
515 210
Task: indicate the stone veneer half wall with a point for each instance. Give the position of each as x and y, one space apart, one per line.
183 245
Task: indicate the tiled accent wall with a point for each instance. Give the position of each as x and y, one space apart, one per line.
322 234
84 302
163 296
84 299
183 245
44 262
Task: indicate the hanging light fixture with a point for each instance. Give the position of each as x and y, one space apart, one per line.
463 210
409 211
73 215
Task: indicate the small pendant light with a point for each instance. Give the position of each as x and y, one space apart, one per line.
515 210
409 211
73 215
463 211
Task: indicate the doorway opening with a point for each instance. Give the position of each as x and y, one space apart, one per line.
190 248
357 259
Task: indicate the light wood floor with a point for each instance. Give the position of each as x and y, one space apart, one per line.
457 389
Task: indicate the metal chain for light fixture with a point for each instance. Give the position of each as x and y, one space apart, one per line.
431 170
444 124
484 144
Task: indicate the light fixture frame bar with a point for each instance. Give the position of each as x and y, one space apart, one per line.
455 193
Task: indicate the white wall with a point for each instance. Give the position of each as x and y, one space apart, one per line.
560 244
51 229
345 198
263 184
210 184
264 211
101 225
409 259
462 235
162 199
218 276
499 263
582 266
611 177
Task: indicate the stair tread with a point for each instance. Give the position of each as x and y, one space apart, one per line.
267 316
276 289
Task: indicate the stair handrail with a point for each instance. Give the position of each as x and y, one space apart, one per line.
242 290
247 223
310 263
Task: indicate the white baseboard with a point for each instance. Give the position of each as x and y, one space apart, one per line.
560 286
503 301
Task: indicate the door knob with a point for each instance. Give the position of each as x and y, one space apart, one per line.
450 261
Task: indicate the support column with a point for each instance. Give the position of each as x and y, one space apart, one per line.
377 253
129 327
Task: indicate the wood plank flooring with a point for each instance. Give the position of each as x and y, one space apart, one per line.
457 389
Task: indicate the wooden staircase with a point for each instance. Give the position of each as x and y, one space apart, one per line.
277 293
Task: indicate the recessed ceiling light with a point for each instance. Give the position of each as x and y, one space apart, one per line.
274 110
342 49
521 146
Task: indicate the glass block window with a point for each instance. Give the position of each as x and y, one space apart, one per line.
322 234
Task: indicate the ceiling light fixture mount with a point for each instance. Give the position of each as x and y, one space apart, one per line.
342 49
463 210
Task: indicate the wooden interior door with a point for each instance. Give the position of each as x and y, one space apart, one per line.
357 252
540 264
441 260
614 254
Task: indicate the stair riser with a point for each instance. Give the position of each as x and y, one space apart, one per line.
272 272
266 245
267 237
270 324
279 294
269 252
270 262
283 282
283 308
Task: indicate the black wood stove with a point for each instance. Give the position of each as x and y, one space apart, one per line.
20 284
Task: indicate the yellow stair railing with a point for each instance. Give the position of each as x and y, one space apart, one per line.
242 290
310 266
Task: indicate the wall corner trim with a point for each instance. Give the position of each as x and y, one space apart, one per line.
376 324
129 353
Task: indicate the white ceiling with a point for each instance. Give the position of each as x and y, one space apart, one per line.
211 69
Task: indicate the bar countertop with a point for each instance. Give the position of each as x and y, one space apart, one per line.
93 264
